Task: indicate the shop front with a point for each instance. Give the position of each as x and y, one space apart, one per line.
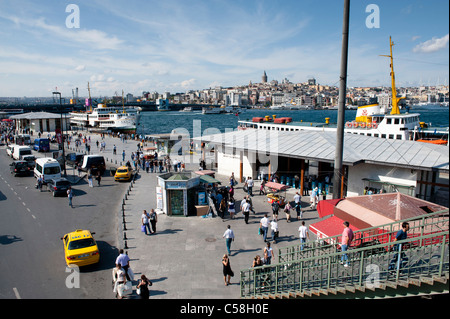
179 193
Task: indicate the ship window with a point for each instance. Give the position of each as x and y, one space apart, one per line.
391 136
388 121
383 135
399 137
369 134
396 121
376 135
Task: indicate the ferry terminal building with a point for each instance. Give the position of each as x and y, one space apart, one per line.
304 159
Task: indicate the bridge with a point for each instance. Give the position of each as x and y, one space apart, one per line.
420 265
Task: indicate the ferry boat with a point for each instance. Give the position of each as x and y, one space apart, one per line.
211 110
114 118
371 120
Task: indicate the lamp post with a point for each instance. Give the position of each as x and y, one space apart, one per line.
62 131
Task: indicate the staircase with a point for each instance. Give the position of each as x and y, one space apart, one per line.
420 266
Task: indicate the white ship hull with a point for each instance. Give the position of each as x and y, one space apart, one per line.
107 118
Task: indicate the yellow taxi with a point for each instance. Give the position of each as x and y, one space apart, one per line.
80 248
123 173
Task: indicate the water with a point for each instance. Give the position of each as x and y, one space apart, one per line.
165 122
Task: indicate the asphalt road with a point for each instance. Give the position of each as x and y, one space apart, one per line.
31 225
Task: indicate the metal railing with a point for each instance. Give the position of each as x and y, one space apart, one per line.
424 224
423 257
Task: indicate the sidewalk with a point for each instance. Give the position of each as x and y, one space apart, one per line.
183 258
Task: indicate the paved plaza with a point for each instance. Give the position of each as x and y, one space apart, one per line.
183 258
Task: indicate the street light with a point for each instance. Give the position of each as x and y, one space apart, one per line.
62 132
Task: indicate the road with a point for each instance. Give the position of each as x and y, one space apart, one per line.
31 225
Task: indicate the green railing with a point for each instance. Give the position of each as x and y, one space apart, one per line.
424 257
427 223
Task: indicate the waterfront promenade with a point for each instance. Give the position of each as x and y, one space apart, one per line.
183 258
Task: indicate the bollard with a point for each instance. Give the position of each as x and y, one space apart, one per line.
126 246
124 226
125 236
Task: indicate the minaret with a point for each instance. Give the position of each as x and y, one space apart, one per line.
264 77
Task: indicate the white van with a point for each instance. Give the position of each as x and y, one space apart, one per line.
48 168
19 151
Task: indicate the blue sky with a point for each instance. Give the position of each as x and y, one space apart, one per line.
181 45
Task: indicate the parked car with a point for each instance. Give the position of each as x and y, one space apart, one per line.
20 168
58 186
80 248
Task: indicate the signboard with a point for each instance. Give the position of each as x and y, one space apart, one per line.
159 198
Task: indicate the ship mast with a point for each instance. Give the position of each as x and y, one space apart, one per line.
89 100
395 109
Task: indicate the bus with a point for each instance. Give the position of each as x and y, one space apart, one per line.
42 144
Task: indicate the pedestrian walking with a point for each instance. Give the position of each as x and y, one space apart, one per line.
264 224
346 240
124 262
89 177
297 204
313 198
227 272
250 184
145 223
114 150
99 178
274 229
153 220
142 287
287 210
397 263
246 210
231 208
303 235
275 208
123 156
268 254
229 237
70 195
261 188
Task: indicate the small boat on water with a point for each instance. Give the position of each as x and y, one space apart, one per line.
187 109
211 110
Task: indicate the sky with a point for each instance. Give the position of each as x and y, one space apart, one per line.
181 45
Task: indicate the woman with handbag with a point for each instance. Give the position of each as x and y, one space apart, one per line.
142 287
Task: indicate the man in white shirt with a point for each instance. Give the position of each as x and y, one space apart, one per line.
246 210
264 224
298 205
229 237
274 228
124 261
303 234
250 186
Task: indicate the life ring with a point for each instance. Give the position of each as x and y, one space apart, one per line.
355 124
348 124
375 125
369 125
362 125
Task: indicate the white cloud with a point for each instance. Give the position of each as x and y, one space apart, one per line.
433 45
94 38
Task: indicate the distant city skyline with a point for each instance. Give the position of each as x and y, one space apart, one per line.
177 46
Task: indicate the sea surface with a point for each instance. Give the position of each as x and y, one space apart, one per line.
197 124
